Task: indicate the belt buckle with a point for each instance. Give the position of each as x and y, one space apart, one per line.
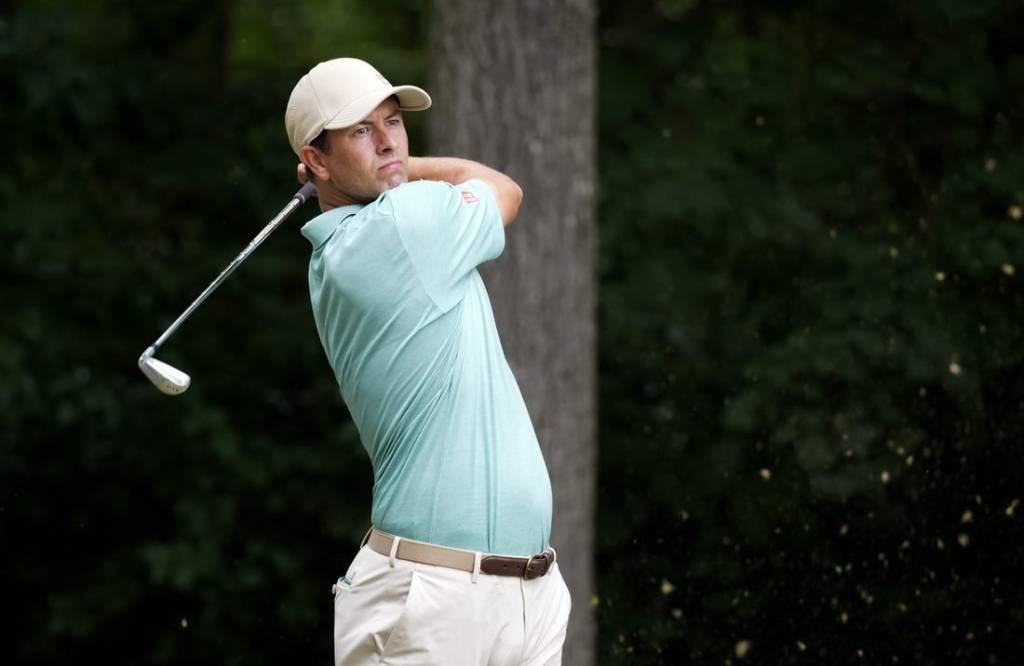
530 573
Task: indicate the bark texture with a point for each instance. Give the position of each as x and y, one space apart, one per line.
513 83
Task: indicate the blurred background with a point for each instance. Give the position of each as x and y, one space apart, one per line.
809 360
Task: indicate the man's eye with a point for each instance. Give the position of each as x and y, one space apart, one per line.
362 130
394 122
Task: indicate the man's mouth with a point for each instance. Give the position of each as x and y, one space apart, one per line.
389 165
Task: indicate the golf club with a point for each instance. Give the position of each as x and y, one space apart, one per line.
169 379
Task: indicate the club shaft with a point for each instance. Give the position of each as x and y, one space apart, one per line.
300 197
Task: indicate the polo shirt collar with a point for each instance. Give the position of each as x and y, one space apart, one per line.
318 230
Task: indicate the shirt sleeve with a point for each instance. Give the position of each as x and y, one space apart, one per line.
448 230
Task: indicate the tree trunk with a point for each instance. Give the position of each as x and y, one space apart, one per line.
513 83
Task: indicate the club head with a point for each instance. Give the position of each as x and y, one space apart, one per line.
166 378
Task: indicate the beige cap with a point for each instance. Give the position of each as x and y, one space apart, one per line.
340 93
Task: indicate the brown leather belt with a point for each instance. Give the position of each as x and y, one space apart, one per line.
531 567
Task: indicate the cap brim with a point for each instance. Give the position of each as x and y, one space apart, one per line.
410 98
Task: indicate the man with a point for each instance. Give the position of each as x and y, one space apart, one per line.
457 567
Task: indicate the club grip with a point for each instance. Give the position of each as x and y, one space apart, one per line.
305 193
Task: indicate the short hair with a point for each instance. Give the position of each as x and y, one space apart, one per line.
322 142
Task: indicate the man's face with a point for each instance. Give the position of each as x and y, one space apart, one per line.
369 157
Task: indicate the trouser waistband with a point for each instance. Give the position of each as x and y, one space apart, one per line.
473 562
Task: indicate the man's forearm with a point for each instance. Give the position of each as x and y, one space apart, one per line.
455 170
452 170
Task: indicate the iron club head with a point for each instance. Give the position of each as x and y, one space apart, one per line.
166 378
169 379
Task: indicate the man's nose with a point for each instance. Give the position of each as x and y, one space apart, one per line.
385 142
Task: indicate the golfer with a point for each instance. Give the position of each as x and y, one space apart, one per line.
456 568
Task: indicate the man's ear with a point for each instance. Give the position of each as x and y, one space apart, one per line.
314 161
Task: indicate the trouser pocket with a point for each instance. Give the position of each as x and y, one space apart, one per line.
340 585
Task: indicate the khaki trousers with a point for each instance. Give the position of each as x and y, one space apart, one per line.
399 612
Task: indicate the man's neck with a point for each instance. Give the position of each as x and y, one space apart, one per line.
330 197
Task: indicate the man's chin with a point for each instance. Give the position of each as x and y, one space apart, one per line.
394 180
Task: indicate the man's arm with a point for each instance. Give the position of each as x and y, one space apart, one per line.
455 171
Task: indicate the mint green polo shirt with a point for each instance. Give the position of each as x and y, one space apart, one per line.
407 327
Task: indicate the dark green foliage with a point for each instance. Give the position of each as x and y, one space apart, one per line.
811 351
144 147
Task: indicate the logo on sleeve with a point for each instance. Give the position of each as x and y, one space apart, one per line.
469 197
